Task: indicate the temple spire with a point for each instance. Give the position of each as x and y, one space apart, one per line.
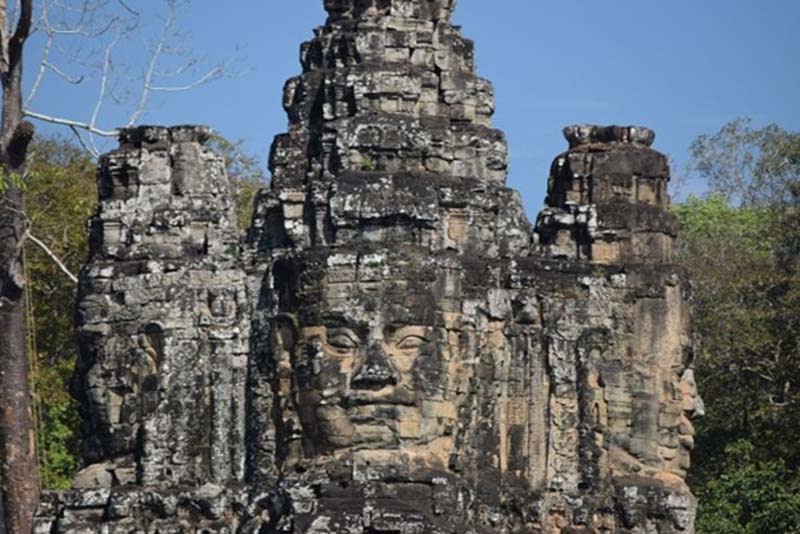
388 86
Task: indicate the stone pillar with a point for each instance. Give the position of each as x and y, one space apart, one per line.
162 317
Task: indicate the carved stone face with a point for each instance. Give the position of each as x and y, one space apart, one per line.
681 405
691 407
371 369
359 382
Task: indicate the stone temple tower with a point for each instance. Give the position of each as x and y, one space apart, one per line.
391 347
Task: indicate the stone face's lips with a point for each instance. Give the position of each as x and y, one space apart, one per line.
381 414
387 396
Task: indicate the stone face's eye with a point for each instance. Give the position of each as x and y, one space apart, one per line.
411 342
342 341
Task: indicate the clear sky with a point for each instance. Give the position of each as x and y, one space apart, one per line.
681 67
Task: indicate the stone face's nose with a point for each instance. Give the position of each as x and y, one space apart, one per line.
692 404
376 371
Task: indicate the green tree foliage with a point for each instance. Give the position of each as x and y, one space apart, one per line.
60 197
741 245
750 496
749 166
246 175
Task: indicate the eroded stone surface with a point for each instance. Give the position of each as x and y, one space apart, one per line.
162 317
394 348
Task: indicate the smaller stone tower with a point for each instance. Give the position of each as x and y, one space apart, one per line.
162 321
607 199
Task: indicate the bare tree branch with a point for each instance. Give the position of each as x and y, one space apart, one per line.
214 73
68 27
84 33
52 256
24 24
42 69
128 8
93 151
148 77
63 75
71 123
178 71
87 8
101 95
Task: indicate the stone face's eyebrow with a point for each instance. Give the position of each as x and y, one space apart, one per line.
338 320
392 330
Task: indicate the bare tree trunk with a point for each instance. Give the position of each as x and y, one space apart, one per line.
20 485
19 475
2 518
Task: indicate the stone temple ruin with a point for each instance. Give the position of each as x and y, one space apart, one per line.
392 347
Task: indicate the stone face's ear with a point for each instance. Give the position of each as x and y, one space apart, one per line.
154 342
285 282
285 332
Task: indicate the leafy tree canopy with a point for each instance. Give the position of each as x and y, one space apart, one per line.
753 167
741 244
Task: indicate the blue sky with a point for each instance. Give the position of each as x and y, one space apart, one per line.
682 67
